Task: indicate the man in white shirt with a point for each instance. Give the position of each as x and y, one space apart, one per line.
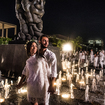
102 58
51 59
80 55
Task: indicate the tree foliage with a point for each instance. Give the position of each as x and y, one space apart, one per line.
76 42
55 41
58 42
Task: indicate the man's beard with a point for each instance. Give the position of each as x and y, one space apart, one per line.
42 46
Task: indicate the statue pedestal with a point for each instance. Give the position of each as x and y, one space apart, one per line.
13 58
17 42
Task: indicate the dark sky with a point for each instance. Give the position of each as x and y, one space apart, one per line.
85 18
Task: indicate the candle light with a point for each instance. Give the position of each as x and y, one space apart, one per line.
22 90
82 73
82 83
19 79
79 70
86 69
77 78
87 75
55 84
63 79
75 73
11 82
65 95
94 73
6 87
2 82
94 86
58 84
1 100
71 91
86 93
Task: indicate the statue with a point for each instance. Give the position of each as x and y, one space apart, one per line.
29 14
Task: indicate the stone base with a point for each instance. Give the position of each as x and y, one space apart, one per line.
17 42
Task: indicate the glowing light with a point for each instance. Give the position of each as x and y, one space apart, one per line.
67 47
19 78
6 86
55 83
2 60
87 74
75 73
63 79
22 90
1 100
82 82
65 95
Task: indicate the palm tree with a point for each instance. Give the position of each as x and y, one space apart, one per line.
76 42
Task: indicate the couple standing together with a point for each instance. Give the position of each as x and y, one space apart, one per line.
39 72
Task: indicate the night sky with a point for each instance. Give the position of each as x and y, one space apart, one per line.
72 18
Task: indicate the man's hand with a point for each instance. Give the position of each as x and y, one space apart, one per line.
51 88
18 86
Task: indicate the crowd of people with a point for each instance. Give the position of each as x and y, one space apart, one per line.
95 58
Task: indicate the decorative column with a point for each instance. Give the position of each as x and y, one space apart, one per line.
2 29
6 32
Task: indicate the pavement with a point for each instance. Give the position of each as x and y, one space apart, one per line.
79 96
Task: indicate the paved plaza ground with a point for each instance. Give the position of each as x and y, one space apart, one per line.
79 95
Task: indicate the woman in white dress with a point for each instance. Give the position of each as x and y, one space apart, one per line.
36 72
95 60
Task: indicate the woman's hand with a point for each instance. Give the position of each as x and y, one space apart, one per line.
51 89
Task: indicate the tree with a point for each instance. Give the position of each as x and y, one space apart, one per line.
76 42
55 41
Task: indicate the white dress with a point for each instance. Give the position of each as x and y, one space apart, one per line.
37 73
96 61
80 55
101 59
91 57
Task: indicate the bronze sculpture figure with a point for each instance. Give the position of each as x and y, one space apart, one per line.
29 14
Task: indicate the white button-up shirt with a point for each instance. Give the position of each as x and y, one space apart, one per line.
52 62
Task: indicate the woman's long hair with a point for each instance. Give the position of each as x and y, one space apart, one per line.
29 46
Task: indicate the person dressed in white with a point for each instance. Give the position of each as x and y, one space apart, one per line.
102 58
91 56
98 59
95 60
36 72
83 56
51 60
86 56
80 55
70 54
63 56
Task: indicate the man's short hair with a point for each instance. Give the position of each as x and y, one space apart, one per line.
44 35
